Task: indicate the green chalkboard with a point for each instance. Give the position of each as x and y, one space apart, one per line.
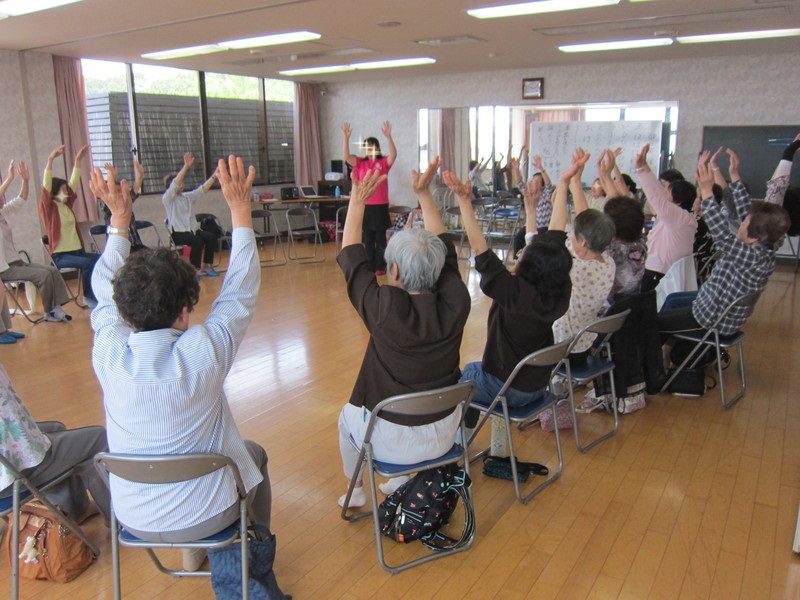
759 147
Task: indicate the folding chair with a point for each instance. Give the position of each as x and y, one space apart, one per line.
713 338
268 230
98 234
341 217
166 469
12 289
297 224
552 356
23 491
503 222
394 212
178 248
148 225
598 363
225 238
454 212
66 273
417 404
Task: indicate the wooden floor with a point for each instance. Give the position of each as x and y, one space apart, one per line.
688 501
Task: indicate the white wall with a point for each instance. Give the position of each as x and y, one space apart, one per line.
756 90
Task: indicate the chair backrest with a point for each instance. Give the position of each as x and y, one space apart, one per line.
550 356
399 210
168 468
747 301
604 326
431 402
300 211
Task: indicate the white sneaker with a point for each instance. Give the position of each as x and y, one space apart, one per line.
357 499
193 558
391 486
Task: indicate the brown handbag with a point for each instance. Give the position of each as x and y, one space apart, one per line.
47 549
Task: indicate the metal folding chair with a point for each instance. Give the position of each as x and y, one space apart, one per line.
598 363
166 469
13 287
341 217
297 220
23 491
418 404
266 228
225 238
554 357
67 273
454 212
713 338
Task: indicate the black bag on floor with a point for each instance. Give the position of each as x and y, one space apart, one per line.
689 382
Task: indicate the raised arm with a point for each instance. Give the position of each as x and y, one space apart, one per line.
47 177
531 195
605 166
463 192
348 156
558 220
421 186
209 183
575 182
4 185
387 131
719 178
188 161
137 184
236 188
359 193
620 186
537 162
25 175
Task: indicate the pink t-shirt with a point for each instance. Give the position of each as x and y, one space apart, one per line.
382 166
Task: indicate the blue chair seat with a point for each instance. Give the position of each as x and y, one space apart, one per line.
520 413
595 366
388 469
725 341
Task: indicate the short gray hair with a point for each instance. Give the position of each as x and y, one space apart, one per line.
419 256
596 228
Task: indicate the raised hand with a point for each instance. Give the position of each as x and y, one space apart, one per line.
462 189
578 162
10 174
735 163
188 160
111 170
581 157
532 191
22 169
365 188
641 159
236 183
81 153
537 162
346 129
705 177
387 129
421 183
116 197
56 153
137 166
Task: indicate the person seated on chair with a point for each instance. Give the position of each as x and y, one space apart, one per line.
163 379
593 271
672 237
628 249
416 321
47 279
747 261
63 236
136 191
181 221
525 302
543 208
43 451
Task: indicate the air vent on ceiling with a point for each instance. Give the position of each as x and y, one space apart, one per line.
264 58
450 40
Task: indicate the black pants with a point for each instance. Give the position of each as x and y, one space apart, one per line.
203 245
375 244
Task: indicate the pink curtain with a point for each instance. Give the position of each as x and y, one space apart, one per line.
307 144
447 139
559 115
71 98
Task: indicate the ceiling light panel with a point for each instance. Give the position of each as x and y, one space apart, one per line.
15 8
617 45
738 36
184 52
276 39
535 8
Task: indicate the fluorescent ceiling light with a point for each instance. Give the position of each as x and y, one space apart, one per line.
182 52
317 70
535 8
398 62
15 8
272 40
378 64
741 35
618 45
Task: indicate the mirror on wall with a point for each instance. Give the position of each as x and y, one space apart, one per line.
489 135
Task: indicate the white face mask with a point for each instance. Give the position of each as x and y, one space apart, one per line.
62 196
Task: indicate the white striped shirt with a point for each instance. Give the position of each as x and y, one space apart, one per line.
163 392
180 207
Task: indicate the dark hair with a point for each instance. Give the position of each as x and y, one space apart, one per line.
55 185
628 217
630 183
768 222
152 288
671 175
683 194
373 141
473 164
168 180
718 192
595 227
547 265
791 202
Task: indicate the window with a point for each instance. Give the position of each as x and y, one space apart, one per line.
246 116
601 114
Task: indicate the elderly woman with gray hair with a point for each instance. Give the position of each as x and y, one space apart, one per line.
416 321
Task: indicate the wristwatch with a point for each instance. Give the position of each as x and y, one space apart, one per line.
110 230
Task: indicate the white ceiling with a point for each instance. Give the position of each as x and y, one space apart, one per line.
367 30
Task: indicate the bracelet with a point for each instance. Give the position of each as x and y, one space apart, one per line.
110 230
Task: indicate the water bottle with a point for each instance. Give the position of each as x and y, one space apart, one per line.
337 192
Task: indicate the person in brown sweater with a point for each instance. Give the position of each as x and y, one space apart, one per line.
415 320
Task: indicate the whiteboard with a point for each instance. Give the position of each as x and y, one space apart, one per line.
555 142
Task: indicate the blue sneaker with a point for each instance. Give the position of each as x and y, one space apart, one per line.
15 334
90 302
7 339
211 272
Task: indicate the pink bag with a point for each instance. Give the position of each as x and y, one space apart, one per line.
563 416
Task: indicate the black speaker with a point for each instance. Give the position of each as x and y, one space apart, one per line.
337 166
289 193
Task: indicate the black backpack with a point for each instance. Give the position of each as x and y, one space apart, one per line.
422 505
210 225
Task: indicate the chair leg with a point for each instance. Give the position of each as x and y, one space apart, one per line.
245 560
15 540
115 555
584 449
726 404
553 475
12 290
